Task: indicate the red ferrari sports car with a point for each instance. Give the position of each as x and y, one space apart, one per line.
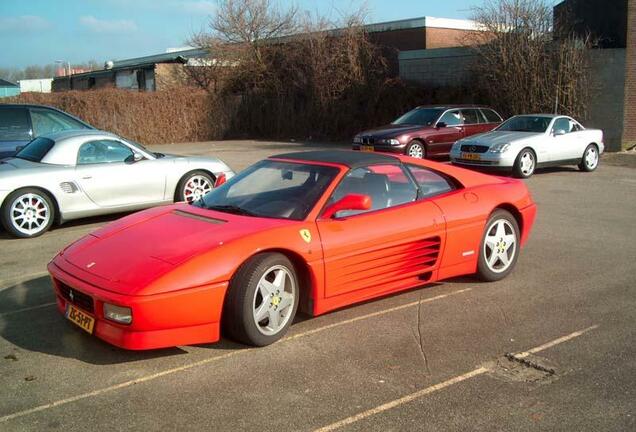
314 231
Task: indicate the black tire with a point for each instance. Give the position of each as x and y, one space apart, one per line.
484 272
180 194
7 221
416 147
518 170
584 165
238 311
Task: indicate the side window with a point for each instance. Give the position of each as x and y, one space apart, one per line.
562 125
452 118
103 151
430 182
471 116
491 116
14 124
575 127
48 121
386 185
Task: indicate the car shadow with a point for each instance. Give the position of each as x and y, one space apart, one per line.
29 319
77 223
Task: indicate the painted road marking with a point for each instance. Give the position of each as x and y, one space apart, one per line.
456 380
214 359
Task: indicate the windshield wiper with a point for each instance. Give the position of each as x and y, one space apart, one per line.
232 209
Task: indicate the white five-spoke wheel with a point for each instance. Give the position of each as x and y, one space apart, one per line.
274 300
525 164
28 213
590 159
416 149
499 246
194 186
261 300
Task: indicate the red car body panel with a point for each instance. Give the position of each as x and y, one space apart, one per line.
172 265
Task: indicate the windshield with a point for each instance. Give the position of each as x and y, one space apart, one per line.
141 147
285 190
36 149
525 124
419 116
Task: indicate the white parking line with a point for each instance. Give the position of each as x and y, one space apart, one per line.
214 359
428 390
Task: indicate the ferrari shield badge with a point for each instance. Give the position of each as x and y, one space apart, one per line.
306 235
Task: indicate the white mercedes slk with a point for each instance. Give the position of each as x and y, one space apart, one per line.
524 142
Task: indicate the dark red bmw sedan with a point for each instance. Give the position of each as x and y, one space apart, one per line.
428 131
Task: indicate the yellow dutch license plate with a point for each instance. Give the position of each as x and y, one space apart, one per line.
471 156
366 148
80 318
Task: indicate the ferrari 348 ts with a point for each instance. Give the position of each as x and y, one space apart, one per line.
312 231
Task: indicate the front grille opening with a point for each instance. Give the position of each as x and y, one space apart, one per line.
77 298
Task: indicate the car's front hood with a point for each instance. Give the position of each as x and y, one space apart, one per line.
390 131
136 250
499 137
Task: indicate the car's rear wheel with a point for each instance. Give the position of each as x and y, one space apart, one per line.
589 161
416 149
262 300
193 186
28 212
525 164
499 247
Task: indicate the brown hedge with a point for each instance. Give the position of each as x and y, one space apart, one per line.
177 115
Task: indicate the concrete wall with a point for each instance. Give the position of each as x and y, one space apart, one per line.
606 94
42 85
437 67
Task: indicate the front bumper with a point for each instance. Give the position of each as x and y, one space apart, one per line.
503 161
183 317
382 148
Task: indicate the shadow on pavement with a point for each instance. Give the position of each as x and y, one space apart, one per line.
43 329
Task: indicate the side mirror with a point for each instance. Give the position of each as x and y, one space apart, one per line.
440 125
19 148
348 202
558 132
135 157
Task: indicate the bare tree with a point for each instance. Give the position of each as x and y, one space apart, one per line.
521 65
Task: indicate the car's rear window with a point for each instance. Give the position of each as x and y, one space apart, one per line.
14 124
491 116
36 149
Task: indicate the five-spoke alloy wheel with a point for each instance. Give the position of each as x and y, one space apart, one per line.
499 246
28 213
525 164
262 299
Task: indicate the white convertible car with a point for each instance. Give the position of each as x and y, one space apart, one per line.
524 142
73 174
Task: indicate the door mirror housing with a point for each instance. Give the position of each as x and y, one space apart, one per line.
348 202
135 157
558 132
19 148
440 125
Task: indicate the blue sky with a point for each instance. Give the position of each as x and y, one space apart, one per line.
42 31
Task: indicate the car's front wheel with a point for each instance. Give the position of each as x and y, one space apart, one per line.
262 300
590 159
27 213
416 149
499 246
193 186
525 164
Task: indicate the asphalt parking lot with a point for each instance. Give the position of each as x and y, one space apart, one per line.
432 358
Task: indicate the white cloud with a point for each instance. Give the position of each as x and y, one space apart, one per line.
198 7
23 23
107 26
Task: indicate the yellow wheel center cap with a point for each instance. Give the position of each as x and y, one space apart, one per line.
275 300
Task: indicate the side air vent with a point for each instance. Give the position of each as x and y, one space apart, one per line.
198 217
68 187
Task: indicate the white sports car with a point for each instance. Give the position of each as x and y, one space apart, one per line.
74 174
524 142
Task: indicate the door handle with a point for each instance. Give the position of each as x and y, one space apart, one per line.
87 178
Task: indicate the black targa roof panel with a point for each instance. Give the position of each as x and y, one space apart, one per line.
350 158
